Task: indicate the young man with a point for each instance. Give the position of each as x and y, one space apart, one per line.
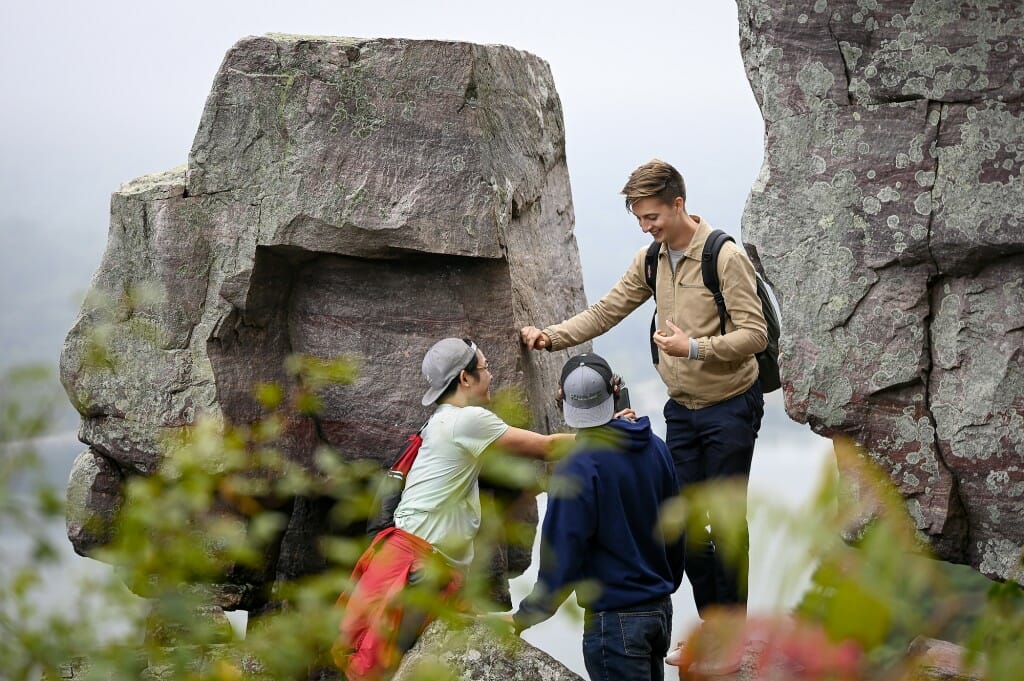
439 515
715 406
600 534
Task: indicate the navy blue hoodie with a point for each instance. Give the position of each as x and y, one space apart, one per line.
601 524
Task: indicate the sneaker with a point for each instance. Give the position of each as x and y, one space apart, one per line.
675 656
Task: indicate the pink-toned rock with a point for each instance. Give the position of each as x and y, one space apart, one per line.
342 197
935 660
889 217
730 646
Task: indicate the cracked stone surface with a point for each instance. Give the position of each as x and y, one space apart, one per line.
476 652
341 197
889 217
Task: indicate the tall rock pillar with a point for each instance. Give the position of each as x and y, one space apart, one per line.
342 197
889 217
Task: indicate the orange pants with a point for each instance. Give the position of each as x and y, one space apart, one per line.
367 644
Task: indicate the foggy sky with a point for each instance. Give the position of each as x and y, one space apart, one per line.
99 93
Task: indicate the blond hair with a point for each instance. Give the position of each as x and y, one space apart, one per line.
654 178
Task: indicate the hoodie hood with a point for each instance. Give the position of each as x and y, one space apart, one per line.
631 436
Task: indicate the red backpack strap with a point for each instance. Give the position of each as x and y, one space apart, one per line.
406 459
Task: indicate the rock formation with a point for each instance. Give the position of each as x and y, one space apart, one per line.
476 652
473 653
341 197
889 217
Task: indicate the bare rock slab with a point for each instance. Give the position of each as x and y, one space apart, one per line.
475 652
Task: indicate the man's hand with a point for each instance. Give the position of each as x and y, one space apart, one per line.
626 413
534 338
676 345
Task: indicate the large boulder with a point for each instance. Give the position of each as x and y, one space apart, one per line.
889 217
475 652
342 197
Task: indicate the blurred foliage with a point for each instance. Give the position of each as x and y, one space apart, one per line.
201 528
206 521
28 505
134 308
504 471
28 398
875 589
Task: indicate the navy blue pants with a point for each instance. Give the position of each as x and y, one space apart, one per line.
713 444
628 644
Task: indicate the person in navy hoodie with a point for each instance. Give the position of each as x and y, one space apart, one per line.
601 537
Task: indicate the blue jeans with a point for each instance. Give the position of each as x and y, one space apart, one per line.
711 444
628 644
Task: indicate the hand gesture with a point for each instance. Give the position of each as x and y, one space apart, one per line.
677 344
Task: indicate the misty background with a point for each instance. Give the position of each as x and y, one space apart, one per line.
96 94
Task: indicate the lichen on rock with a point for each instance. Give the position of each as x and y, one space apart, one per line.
887 217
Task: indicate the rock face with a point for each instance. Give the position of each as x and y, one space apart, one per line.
342 197
476 652
889 217
471 653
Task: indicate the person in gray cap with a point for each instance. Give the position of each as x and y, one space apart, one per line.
441 501
600 536
438 516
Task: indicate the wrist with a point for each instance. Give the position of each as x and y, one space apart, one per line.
551 337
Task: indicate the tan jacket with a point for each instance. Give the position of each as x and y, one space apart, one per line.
725 366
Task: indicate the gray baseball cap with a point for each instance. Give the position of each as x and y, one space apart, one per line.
588 399
443 362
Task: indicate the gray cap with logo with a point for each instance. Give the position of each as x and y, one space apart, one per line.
588 399
442 363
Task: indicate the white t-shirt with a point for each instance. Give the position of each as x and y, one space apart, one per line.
441 500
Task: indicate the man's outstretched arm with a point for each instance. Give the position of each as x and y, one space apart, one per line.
628 294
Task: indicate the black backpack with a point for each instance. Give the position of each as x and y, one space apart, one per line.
767 359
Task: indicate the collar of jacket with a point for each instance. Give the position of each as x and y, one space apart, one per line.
696 247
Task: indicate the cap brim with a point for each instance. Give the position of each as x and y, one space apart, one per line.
592 417
431 396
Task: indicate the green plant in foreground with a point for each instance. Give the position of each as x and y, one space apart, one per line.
219 504
868 599
215 508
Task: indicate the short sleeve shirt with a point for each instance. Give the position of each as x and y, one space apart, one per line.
441 501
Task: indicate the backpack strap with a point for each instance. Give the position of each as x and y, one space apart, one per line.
407 457
709 271
651 267
651 277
